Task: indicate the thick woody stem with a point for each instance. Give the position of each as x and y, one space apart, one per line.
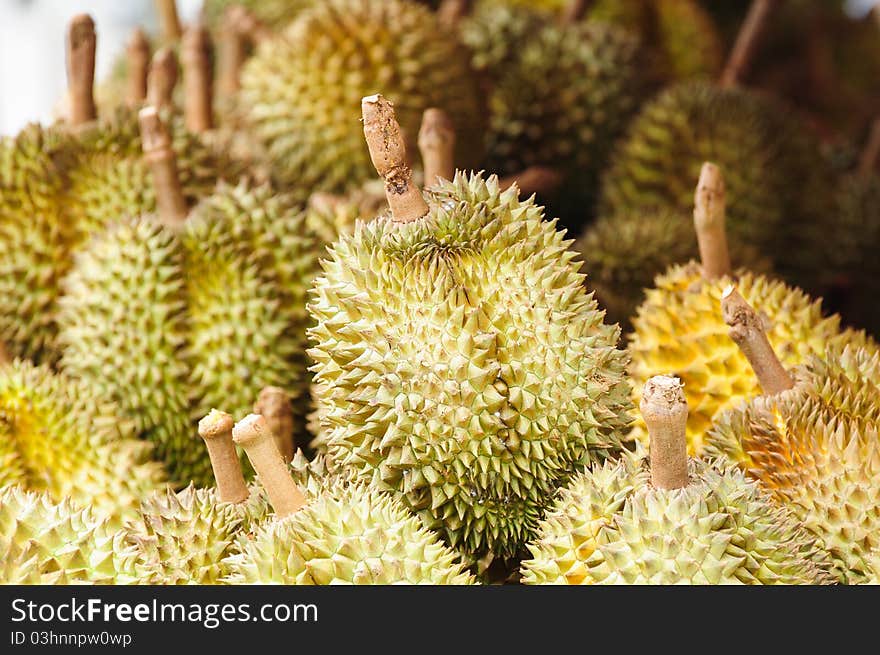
388 152
249 25
169 19
273 404
747 330
253 434
137 55
534 179
163 164
746 42
871 152
198 79
437 145
81 43
231 53
216 430
450 12
665 411
162 79
709 218
574 11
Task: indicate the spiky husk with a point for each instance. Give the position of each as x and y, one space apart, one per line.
44 542
816 448
302 92
611 526
679 330
330 219
58 436
124 325
461 363
349 533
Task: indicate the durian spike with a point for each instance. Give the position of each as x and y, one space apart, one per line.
534 179
437 145
273 404
169 19
162 79
250 26
665 411
871 152
709 219
137 59
216 430
231 53
747 331
163 165
575 11
198 78
81 43
450 12
388 153
746 42
253 434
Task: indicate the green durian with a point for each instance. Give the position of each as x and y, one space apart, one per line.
816 448
58 436
302 90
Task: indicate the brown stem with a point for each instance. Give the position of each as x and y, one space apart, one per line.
437 145
388 153
273 404
169 19
575 10
709 218
747 330
162 79
665 411
231 53
163 163
137 53
746 42
81 43
250 26
253 434
5 358
216 430
871 152
534 179
450 12
198 79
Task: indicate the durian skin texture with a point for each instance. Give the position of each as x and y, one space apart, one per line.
302 91
460 362
611 526
679 330
816 448
347 534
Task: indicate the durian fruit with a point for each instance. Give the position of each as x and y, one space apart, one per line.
675 521
812 441
679 328
458 359
44 542
301 89
348 533
58 436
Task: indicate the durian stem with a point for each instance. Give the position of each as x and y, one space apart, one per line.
871 152
169 19
253 434
709 219
665 411
746 42
5 359
81 44
273 404
162 79
231 53
534 179
198 79
137 53
450 12
437 145
747 330
250 26
163 164
388 153
216 430
575 10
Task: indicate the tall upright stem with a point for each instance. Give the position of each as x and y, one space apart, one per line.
747 42
81 44
169 20
216 430
162 79
231 53
273 404
437 146
197 54
137 56
709 219
160 156
665 411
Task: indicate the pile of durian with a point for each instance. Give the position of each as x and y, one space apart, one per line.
291 300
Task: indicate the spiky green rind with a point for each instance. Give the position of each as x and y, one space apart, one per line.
303 91
348 534
43 542
611 526
679 330
816 448
461 363
249 263
123 324
61 438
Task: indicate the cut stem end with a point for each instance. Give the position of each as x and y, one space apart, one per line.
664 409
